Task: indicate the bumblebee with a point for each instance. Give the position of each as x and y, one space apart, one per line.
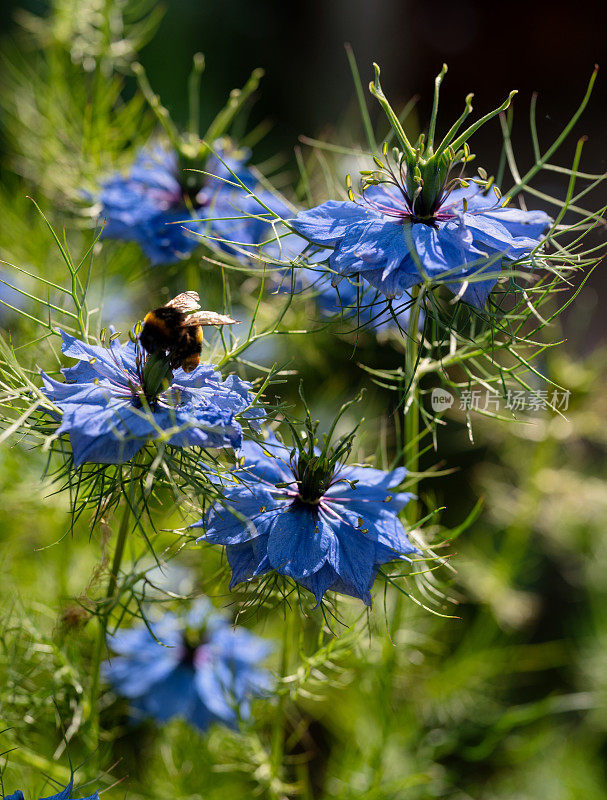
176 328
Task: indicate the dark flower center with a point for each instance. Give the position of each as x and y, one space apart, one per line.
403 208
313 476
192 182
191 641
192 197
410 192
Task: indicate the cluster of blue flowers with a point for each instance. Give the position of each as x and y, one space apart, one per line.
412 224
198 668
304 513
301 514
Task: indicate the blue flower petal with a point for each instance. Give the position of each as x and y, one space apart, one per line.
136 675
492 233
268 461
102 449
381 524
64 794
354 559
377 244
394 284
533 224
300 541
526 224
174 695
443 248
328 223
248 560
370 478
245 648
96 362
203 615
344 587
213 684
203 375
256 511
477 291
326 579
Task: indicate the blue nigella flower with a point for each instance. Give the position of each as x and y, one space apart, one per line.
64 794
415 221
115 400
169 192
380 238
198 667
326 525
145 204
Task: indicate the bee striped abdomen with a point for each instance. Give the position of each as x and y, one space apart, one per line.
192 359
190 363
187 347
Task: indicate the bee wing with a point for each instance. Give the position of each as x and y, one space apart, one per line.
208 318
185 302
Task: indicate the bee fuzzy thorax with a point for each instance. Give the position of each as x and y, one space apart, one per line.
156 332
176 329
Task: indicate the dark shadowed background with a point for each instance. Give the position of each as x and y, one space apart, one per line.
549 47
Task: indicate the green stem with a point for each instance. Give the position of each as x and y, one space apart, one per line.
410 454
104 616
411 423
411 416
361 99
192 273
278 729
119 552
